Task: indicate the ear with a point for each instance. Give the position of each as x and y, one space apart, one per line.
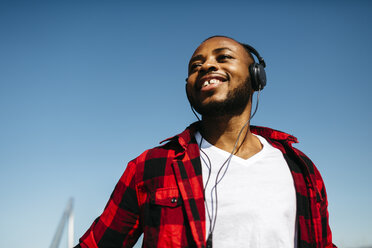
187 92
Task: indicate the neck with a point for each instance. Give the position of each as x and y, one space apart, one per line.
223 131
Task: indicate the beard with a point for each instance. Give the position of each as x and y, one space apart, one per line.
235 102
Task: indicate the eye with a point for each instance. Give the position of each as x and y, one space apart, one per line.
194 66
224 57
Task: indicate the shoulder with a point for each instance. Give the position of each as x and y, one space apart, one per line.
297 160
156 162
155 155
170 147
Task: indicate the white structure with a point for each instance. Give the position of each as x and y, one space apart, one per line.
68 216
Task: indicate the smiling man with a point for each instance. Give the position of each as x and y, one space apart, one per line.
221 182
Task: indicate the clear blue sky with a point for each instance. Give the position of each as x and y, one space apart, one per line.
86 86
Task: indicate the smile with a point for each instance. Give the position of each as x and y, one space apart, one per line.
211 81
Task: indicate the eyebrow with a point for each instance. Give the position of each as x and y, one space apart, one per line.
200 57
221 49
197 57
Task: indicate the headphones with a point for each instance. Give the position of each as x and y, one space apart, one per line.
256 70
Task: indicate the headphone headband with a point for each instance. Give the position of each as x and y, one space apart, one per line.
254 51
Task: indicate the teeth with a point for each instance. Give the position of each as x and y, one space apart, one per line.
211 81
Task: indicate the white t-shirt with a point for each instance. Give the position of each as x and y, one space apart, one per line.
256 198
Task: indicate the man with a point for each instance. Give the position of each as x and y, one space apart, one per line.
221 182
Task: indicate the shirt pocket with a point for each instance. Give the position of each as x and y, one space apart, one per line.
164 209
166 197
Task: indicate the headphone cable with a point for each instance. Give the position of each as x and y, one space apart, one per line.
212 216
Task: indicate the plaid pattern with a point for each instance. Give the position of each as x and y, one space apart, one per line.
161 195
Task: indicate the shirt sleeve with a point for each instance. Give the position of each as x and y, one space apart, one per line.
326 230
118 225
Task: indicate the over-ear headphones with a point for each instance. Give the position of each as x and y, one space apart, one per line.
256 70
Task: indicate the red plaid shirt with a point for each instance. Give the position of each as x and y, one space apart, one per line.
160 195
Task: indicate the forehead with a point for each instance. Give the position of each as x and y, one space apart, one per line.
217 43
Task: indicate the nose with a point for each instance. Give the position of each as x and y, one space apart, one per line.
209 65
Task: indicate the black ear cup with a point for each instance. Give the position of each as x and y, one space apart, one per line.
256 70
258 76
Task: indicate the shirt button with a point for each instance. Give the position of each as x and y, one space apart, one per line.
174 200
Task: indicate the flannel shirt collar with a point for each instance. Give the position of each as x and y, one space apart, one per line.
186 137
